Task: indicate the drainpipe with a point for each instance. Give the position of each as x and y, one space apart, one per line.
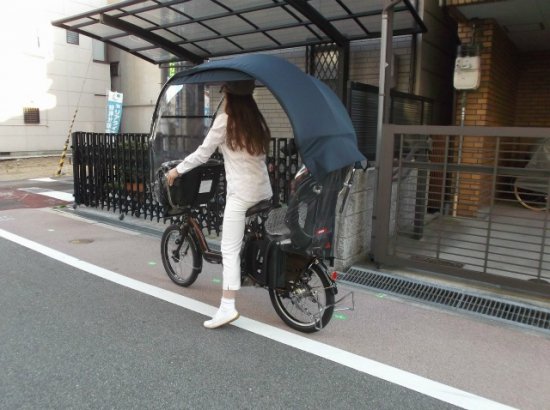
459 157
461 137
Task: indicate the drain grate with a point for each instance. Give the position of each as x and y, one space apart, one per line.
527 315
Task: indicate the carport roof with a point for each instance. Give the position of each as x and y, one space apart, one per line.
162 31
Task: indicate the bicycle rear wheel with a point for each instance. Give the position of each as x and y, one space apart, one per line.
179 256
535 201
307 303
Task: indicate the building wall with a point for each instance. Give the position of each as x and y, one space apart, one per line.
436 50
41 70
365 62
140 82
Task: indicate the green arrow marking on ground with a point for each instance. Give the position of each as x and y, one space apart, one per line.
216 280
340 316
151 263
380 295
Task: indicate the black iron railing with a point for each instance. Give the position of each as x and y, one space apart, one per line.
112 171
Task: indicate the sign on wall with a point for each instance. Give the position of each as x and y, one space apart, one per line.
114 112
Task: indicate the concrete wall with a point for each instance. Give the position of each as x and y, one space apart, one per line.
40 70
354 233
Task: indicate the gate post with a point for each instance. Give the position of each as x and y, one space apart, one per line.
381 208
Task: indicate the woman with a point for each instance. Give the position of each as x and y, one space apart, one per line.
242 136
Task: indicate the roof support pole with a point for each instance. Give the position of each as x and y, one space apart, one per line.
384 153
384 86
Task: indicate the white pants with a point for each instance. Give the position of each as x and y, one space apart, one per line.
232 239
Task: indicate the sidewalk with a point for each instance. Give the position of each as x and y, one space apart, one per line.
18 167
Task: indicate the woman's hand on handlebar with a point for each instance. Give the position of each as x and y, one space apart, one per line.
171 176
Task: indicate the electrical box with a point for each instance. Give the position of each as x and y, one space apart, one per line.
467 73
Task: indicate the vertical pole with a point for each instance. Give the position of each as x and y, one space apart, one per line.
343 71
379 231
459 154
384 85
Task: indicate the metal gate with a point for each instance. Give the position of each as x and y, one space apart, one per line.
112 171
471 203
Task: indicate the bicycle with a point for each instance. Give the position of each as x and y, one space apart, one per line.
532 191
286 262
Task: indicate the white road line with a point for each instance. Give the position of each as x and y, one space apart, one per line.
63 196
46 179
391 374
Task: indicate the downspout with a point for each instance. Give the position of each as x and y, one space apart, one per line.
415 51
463 102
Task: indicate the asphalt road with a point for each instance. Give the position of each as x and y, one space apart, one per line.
69 339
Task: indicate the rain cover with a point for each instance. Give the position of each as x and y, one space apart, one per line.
182 119
541 161
321 126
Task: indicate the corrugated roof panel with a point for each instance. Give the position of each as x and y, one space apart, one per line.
217 46
290 35
102 30
131 42
255 40
193 30
349 27
164 16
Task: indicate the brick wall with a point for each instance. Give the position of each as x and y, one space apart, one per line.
533 98
492 104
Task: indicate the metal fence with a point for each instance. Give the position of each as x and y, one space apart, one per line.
405 109
113 171
479 201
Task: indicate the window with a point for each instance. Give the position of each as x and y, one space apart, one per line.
31 115
99 51
114 69
72 37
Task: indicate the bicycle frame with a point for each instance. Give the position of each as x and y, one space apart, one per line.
209 255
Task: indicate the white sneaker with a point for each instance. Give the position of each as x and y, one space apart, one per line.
221 318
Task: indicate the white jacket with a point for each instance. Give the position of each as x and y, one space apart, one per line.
246 174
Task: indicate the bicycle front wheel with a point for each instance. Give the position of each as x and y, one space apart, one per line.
179 256
307 303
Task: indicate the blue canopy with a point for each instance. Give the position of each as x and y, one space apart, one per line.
322 128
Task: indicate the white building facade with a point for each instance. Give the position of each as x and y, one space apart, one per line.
46 75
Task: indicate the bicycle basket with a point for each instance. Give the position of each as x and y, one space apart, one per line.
191 189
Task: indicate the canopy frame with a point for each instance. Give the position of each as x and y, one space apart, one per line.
163 31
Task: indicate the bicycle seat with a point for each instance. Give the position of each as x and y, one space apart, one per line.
261 206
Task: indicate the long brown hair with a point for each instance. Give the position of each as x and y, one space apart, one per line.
246 126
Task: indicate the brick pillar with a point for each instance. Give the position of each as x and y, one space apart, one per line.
492 104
